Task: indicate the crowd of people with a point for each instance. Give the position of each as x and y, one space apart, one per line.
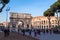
35 31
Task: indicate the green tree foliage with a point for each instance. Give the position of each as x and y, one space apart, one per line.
58 0
55 6
51 11
48 13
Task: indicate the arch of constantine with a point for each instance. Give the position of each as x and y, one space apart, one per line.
20 20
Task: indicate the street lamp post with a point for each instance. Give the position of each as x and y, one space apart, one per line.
7 16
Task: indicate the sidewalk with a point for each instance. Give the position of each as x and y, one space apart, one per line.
15 36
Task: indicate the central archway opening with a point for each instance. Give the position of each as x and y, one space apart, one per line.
20 24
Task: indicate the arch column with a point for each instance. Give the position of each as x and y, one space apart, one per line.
16 27
10 27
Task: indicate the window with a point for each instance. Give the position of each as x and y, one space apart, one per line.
11 14
44 21
27 25
13 25
52 21
59 21
55 21
52 25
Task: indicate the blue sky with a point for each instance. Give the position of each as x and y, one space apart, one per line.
34 7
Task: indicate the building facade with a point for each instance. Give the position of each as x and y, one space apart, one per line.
20 20
23 20
42 22
5 24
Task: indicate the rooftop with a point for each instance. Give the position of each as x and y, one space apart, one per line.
19 13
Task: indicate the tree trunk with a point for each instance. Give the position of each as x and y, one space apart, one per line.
57 20
49 22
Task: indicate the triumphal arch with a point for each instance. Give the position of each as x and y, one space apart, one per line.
20 20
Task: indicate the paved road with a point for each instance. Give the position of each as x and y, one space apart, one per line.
15 36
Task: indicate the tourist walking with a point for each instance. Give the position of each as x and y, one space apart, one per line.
35 32
6 32
23 31
30 32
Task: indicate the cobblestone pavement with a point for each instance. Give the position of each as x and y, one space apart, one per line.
15 36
